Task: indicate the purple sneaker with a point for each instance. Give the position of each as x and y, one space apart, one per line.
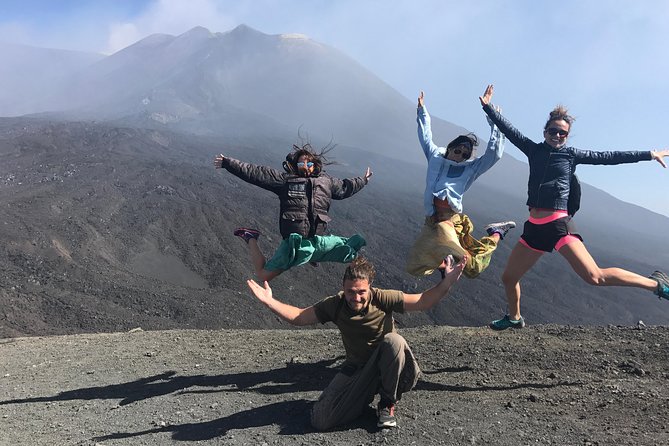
247 234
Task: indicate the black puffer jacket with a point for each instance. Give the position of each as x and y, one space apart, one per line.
551 169
305 202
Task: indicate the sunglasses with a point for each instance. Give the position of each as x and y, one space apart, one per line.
308 163
559 132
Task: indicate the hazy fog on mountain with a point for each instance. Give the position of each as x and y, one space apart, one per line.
204 82
29 74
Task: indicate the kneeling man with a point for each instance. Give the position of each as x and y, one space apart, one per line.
378 359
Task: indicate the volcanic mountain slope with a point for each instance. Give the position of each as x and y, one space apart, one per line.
107 228
111 224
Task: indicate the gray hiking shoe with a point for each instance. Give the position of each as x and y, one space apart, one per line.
507 322
386 414
500 228
662 284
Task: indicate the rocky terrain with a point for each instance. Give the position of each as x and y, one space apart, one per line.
541 385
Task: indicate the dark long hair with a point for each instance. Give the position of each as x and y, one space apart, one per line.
305 149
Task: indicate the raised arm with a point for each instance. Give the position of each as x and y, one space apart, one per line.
425 128
513 134
429 298
494 150
261 176
616 157
292 315
345 188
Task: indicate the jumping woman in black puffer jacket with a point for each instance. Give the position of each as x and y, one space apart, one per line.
305 193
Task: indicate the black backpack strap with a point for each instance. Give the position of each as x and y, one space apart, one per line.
574 200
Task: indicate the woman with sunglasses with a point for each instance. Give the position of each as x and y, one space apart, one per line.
450 172
552 164
305 193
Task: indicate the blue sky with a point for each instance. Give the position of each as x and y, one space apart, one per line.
607 60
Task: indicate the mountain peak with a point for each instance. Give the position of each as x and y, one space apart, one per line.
244 29
197 32
153 40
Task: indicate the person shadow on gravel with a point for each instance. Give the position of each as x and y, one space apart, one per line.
294 377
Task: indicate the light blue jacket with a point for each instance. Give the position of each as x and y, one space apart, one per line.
449 180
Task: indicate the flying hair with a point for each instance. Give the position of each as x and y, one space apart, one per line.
360 269
559 113
304 148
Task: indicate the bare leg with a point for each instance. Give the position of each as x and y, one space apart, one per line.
585 266
258 260
520 261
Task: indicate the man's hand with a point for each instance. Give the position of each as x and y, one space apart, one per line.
453 270
218 161
658 156
426 300
263 294
289 313
487 95
421 102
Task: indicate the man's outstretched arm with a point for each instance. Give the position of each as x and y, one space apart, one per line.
429 298
289 313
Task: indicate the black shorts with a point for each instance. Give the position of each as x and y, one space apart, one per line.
546 236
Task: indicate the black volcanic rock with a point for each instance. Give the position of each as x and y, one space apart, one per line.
105 228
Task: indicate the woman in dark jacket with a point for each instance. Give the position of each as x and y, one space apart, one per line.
305 194
552 165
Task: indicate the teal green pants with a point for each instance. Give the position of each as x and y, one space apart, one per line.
295 250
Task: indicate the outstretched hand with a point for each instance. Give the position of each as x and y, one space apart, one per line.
453 271
421 101
487 95
218 161
658 156
368 174
263 293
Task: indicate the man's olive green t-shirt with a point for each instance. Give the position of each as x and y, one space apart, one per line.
361 332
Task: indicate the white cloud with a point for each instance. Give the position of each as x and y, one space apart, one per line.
169 17
121 35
